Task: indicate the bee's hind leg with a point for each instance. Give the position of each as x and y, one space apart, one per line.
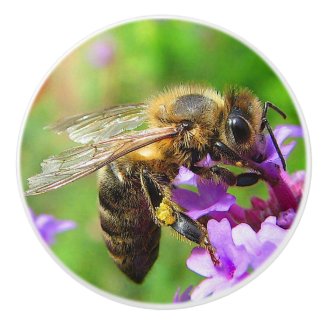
195 232
169 214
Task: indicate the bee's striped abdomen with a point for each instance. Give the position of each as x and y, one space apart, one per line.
130 233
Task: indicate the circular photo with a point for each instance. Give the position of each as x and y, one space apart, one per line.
163 163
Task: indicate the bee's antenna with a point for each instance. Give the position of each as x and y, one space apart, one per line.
265 123
277 109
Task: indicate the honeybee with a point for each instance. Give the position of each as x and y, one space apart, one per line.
183 125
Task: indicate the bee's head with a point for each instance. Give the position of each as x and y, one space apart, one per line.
241 127
245 123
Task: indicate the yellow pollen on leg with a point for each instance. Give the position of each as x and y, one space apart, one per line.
239 164
165 213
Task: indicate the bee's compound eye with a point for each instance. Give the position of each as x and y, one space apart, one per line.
239 128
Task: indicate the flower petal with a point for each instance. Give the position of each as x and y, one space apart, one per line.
200 262
281 133
187 199
270 232
211 197
244 235
220 233
285 149
234 260
209 286
185 296
265 252
185 177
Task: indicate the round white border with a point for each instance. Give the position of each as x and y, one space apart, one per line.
270 260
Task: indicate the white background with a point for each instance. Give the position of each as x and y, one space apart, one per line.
34 34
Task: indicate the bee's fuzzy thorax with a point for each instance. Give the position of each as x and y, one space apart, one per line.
161 107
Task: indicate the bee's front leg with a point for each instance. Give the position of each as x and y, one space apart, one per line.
222 151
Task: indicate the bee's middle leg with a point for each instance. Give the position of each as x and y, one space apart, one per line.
220 174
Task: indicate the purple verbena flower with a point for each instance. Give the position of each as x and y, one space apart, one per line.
203 204
281 133
240 250
244 238
234 261
277 179
210 197
101 53
285 190
259 245
48 226
261 209
188 178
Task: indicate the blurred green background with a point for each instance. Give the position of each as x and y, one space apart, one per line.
129 64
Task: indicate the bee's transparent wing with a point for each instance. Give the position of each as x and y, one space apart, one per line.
102 125
81 161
